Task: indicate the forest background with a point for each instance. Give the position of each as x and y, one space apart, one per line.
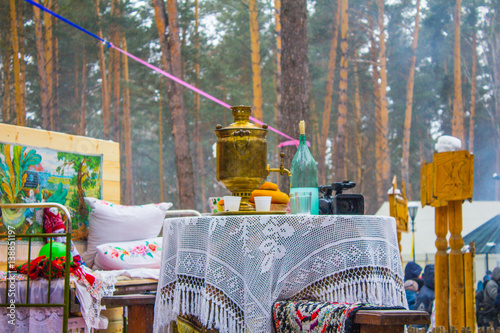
382 81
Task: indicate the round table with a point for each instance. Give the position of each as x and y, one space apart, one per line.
229 270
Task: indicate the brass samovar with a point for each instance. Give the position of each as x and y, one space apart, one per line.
242 156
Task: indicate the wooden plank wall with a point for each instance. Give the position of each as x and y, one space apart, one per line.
68 143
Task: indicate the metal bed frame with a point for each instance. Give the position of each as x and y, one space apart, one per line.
67 234
68 300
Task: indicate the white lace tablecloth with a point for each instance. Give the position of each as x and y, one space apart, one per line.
229 270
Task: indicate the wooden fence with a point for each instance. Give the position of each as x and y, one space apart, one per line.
442 329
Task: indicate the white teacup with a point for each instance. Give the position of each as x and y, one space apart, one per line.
231 203
263 204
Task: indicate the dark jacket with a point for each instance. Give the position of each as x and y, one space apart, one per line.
425 296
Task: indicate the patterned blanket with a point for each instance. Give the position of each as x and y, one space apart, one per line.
316 317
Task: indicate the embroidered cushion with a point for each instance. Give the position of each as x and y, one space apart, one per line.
124 255
110 223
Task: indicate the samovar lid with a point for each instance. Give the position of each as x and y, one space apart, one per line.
241 114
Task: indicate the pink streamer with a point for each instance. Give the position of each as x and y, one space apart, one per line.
170 76
201 92
292 143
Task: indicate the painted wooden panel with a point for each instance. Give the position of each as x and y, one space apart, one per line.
68 143
72 143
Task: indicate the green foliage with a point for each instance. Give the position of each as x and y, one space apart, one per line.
225 72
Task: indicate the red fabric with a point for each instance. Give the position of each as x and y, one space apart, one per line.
39 267
52 222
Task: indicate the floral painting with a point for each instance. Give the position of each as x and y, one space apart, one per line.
32 174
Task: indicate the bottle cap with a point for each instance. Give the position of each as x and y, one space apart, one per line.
302 127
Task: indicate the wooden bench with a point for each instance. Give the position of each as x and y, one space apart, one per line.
389 321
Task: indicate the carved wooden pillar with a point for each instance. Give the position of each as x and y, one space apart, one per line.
444 184
470 309
456 268
441 267
398 208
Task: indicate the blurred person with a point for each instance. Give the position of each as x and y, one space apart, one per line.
425 297
486 312
412 283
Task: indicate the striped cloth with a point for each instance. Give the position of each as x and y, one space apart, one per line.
316 317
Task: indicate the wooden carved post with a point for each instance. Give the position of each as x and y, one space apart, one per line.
452 183
441 267
441 290
398 208
457 286
470 306
445 183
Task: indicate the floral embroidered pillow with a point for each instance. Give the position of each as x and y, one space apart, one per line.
125 255
109 222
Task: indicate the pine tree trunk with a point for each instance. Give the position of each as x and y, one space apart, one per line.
200 166
47 20
170 45
55 75
330 78
445 67
315 131
22 52
295 76
160 145
457 123
76 96
41 67
255 51
104 81
378 120
277 13
83 95
127 129
6 88
473 93
277 75
328 96
20 114
384 112
340 145
405 160
115 37
116 94
358 141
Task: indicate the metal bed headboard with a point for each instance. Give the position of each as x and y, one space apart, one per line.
10 265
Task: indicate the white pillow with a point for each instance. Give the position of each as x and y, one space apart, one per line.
110 222
126 255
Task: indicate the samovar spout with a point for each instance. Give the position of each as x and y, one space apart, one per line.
281 169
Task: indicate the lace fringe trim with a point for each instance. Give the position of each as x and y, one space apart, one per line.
213 314
209 310
383 292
